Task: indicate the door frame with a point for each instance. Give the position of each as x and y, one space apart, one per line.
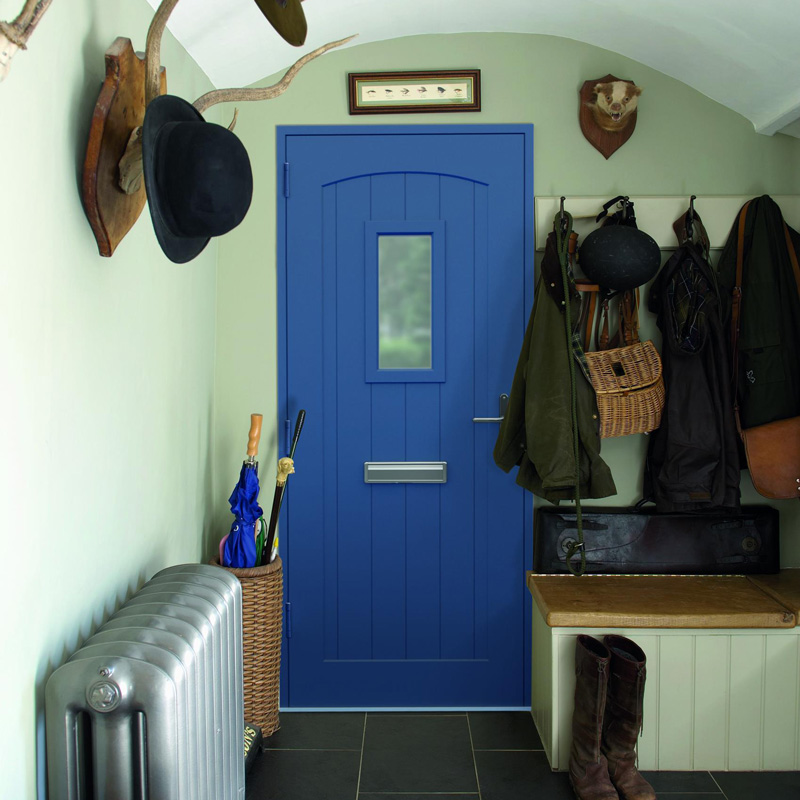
283 191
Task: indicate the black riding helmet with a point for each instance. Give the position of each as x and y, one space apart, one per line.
619 257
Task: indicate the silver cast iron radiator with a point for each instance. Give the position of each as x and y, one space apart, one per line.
151 707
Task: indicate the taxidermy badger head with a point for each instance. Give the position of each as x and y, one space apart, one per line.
615 105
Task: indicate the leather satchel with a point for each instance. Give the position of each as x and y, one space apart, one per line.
773 452
773 449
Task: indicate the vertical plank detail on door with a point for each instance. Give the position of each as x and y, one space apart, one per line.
354 430
423 503
457 561
330 445
388 524
483 434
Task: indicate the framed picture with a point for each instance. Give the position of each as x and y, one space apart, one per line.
414 92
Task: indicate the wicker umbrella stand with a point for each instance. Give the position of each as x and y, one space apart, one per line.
262 629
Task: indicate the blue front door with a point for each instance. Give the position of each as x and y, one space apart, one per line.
406 260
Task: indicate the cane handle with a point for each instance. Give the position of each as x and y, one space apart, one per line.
254 436
285 469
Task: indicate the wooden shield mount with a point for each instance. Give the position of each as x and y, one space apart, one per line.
118 112
607 142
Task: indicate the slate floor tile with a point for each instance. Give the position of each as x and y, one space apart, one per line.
691 796
505 775
503 730
323 731
304 775
686 782
417 754
759 785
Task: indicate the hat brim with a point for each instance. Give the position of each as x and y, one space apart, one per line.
289 20
163 109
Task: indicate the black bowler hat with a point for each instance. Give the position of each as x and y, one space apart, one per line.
197 176
287 17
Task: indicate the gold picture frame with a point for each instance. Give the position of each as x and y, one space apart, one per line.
414 92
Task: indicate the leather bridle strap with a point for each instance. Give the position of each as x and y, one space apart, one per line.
793 257
736 306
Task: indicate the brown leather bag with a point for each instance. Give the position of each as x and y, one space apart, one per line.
772 449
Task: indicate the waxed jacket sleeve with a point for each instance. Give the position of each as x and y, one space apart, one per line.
536 433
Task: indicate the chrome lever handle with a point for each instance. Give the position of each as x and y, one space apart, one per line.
503 406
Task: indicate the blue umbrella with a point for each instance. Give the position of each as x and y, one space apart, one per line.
240 545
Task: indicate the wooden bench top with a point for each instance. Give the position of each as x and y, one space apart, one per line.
660 601
784 587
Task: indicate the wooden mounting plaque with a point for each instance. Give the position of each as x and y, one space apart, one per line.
119 110
607 142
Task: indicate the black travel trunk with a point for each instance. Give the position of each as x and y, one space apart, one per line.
622 541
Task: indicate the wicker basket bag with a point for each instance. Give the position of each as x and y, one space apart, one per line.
629 388
262 631
627 380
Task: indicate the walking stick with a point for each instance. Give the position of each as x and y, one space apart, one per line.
285 468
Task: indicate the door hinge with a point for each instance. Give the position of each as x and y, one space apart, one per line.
288 607
285 178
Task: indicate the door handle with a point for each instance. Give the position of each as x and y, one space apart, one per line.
503 404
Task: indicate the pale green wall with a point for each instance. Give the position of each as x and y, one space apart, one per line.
106 376
684 143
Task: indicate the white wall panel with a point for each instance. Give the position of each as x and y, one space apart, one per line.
676 702
714 699
746 702
711 689
542 660
565 694
779 743
648 741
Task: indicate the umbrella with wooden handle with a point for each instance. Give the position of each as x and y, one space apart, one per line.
285 468
239 549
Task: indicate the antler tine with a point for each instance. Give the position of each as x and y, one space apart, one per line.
269 92
19 31
152 80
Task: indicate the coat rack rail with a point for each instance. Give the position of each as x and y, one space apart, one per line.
655 214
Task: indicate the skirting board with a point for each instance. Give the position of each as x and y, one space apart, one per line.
655 215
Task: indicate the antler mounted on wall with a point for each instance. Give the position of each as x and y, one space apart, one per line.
113 191
14 35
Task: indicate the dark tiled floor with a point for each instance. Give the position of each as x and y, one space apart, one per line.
451 756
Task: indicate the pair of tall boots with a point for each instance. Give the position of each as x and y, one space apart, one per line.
609 690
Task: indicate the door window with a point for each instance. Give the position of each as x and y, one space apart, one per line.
405 310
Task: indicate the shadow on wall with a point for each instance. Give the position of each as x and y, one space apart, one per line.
50 663
85 94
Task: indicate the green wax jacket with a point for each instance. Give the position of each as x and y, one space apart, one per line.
536 433
769 323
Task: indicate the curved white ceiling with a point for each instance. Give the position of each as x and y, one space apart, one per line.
743 54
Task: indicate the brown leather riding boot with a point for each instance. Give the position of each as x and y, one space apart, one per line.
588 770
623 718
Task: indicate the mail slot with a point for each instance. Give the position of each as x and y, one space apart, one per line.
405 472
